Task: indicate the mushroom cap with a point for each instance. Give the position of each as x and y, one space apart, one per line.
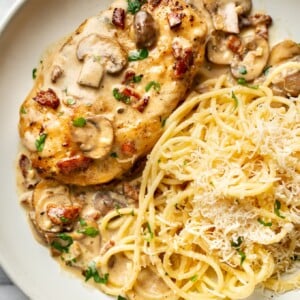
254 59
283 51
217 49
106 50
95 139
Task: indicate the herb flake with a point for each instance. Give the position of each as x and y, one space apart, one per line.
150 232
120 96
236 100
40 142
277 207
243 70
139 54
92 272
154 84
267 224
134 6
89 231
121 298
79 122
60 246
34 73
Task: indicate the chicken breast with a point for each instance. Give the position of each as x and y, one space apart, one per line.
102 96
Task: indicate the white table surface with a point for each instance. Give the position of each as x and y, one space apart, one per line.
8 291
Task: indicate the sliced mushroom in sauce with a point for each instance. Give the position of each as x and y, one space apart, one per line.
95 138
99 54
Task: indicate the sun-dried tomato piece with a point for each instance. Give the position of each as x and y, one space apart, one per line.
75 163
59 214
47 98
183 62
128 148
141 104
118 17
234 43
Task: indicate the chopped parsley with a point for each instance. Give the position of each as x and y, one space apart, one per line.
89 231
121 298
34 73
242 255
277 206
64 220
62 246
236 100
154 84
139 54
79 122
150 232
163 121
267 70
267 224
23 110
132 212
114 154
120 96
194 278
40 142
137 78
82 222
236 244
92 272
134 6
243 70
71 101
242 81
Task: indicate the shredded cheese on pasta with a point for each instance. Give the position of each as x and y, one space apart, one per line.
219 207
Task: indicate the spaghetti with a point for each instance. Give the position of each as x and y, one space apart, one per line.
219 208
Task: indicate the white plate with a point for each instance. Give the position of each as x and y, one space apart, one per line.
31 28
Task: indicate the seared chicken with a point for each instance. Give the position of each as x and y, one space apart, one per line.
101 98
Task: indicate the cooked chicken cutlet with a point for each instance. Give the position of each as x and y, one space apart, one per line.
101 98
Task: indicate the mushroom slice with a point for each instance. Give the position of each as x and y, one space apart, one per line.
95 139
217 49
253 59
225 13
99 54
283 51
54 210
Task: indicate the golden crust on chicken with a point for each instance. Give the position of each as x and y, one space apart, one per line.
101 98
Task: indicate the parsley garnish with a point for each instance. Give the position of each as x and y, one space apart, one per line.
243 70
236 245
62 247
267 70
79 122
114 154
277 206
236 100
64 220
268 224
120 96
121 298
154 84
138 54
34 73
117 207
40 142
89 231
242 81
194 278
238 242
134 6
151 235
137 78
23 110
71 101
82 222
242 255
92 272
